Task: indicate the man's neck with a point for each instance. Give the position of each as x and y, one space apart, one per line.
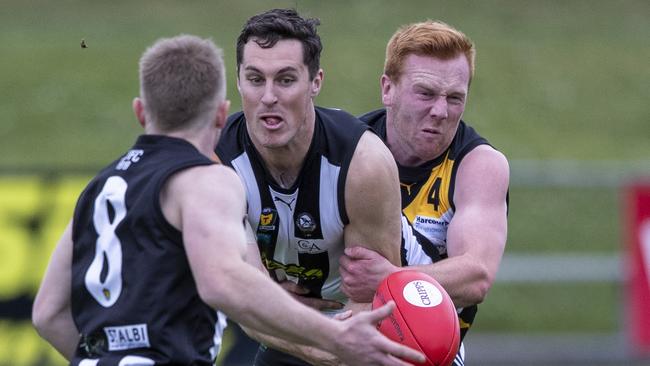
204 141
402 153
285 162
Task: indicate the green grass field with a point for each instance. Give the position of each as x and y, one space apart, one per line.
554 80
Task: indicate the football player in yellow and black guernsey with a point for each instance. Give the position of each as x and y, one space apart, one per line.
454 184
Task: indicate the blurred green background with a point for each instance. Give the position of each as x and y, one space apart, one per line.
555 81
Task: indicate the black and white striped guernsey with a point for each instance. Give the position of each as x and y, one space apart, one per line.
299 230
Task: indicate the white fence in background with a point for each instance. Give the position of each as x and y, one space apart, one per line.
487 349
564 267
577 173
569 267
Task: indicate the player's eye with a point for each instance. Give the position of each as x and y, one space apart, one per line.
425 94
455 99
255 80
286 81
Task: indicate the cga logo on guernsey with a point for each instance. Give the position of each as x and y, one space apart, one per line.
423 294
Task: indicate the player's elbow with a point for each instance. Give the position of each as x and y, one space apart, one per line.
43 318
480 292
481 285
218 294
38 321
209 294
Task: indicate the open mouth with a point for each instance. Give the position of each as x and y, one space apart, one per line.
271 121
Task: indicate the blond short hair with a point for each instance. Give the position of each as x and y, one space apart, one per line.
429 38
182 80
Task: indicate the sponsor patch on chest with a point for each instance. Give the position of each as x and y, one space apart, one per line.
434 229
308 246
127 337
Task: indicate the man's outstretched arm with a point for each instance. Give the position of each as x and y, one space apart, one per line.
216 254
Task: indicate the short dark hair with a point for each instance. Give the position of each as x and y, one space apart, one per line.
273 25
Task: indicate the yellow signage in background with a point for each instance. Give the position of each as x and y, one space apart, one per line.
34 210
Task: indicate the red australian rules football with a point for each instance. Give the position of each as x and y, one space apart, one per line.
424 318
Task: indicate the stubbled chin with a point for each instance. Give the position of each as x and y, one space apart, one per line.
271 138
272 144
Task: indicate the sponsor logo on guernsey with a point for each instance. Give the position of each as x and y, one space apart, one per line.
127 337
268 219
431 227
133 156
306 223
422 294
429 220
307 246
293 270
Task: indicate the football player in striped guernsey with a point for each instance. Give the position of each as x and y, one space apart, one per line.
317 179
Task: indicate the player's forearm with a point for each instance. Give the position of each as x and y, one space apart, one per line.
466 280
309 354
275 312
474 257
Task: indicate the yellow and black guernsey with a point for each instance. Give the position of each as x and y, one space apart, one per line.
428 200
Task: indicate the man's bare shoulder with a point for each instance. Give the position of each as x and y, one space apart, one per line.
483 176
371 159
485 160
372 199
206 176
205 187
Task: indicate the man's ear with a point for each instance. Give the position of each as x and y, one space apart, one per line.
387 90
317 83
138 109
222 114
